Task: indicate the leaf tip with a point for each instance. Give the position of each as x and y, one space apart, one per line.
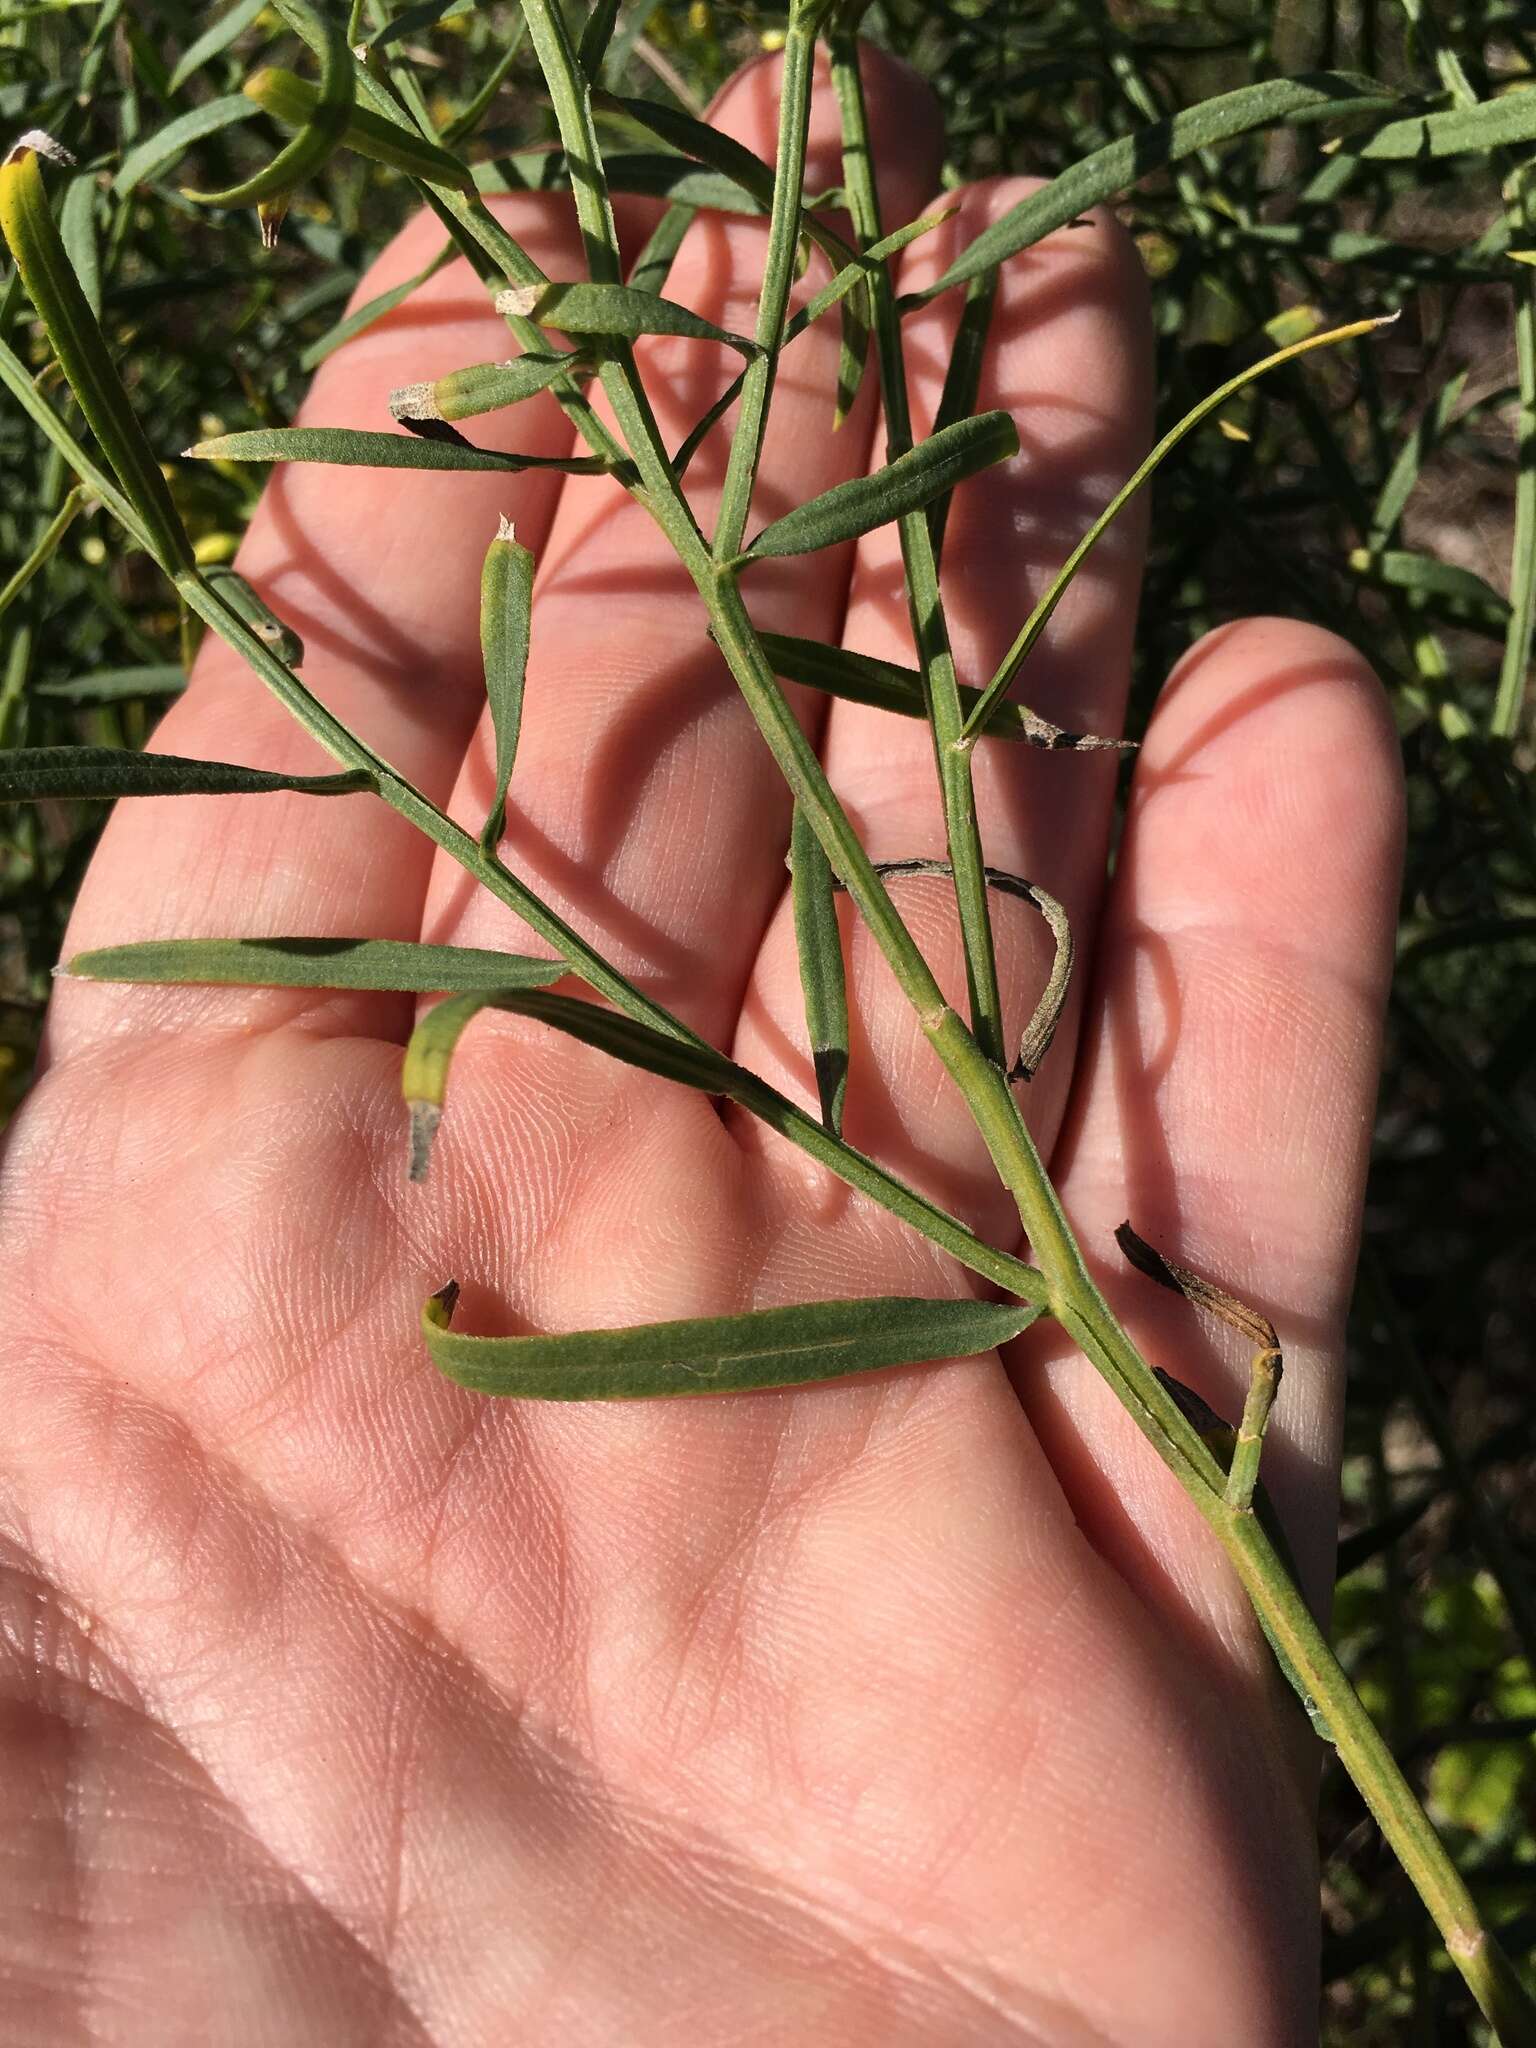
425 1118
38 142
439 1307
505 529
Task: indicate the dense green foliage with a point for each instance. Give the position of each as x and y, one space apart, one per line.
1387 490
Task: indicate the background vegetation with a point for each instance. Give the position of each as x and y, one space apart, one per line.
1388 492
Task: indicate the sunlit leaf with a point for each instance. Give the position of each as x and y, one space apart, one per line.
353 447
29 774
771 1347
301 962
905 485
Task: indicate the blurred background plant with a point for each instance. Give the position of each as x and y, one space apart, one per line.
1388 491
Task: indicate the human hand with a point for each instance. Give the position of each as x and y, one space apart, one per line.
345 1706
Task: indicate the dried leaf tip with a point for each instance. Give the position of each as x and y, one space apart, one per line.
518 301
505 530
38 142
425 1118
414 402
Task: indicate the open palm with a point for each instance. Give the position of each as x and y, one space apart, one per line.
345 1706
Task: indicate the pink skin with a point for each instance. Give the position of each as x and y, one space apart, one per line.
342 1706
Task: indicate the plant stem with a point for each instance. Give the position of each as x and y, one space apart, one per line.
930 630
773 301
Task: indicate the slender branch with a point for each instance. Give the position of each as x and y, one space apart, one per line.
929 629
778 277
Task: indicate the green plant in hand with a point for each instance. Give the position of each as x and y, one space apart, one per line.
917 1706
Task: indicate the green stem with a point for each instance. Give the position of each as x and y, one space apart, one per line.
764 1102
930 630
778 278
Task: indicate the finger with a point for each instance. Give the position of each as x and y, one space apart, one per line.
646 807
377 572
1069 355
1230 1065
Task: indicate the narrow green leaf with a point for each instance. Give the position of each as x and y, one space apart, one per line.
769 1347
111 685
654 263
1411 457
13 376
1460 131
373 309
213 42
323 131
733 160
699 432
859 270
28 774
506 614
296 103
77 231
82 351
819 942
378 964
46 547
862 679
157 152
483 387
595 38
962 383
1038 619
905 485
353 447
411 21
612 309
247 603
1469 599
1108 171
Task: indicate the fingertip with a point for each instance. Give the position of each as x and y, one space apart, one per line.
1295 724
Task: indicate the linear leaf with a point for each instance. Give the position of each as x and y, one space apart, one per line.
1459 131
733 160
862 679
1039 618
1108 171
28 774
380 964
654 263
295 102
354 447
905 485
77 231
819 942
321 135
506 614
13 376
248 603
697 434
770 1347
1411 457
213 41
859 270
411 20
962 383
612 309
81 348
373 309
157 152
483 387
595 38
109 685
